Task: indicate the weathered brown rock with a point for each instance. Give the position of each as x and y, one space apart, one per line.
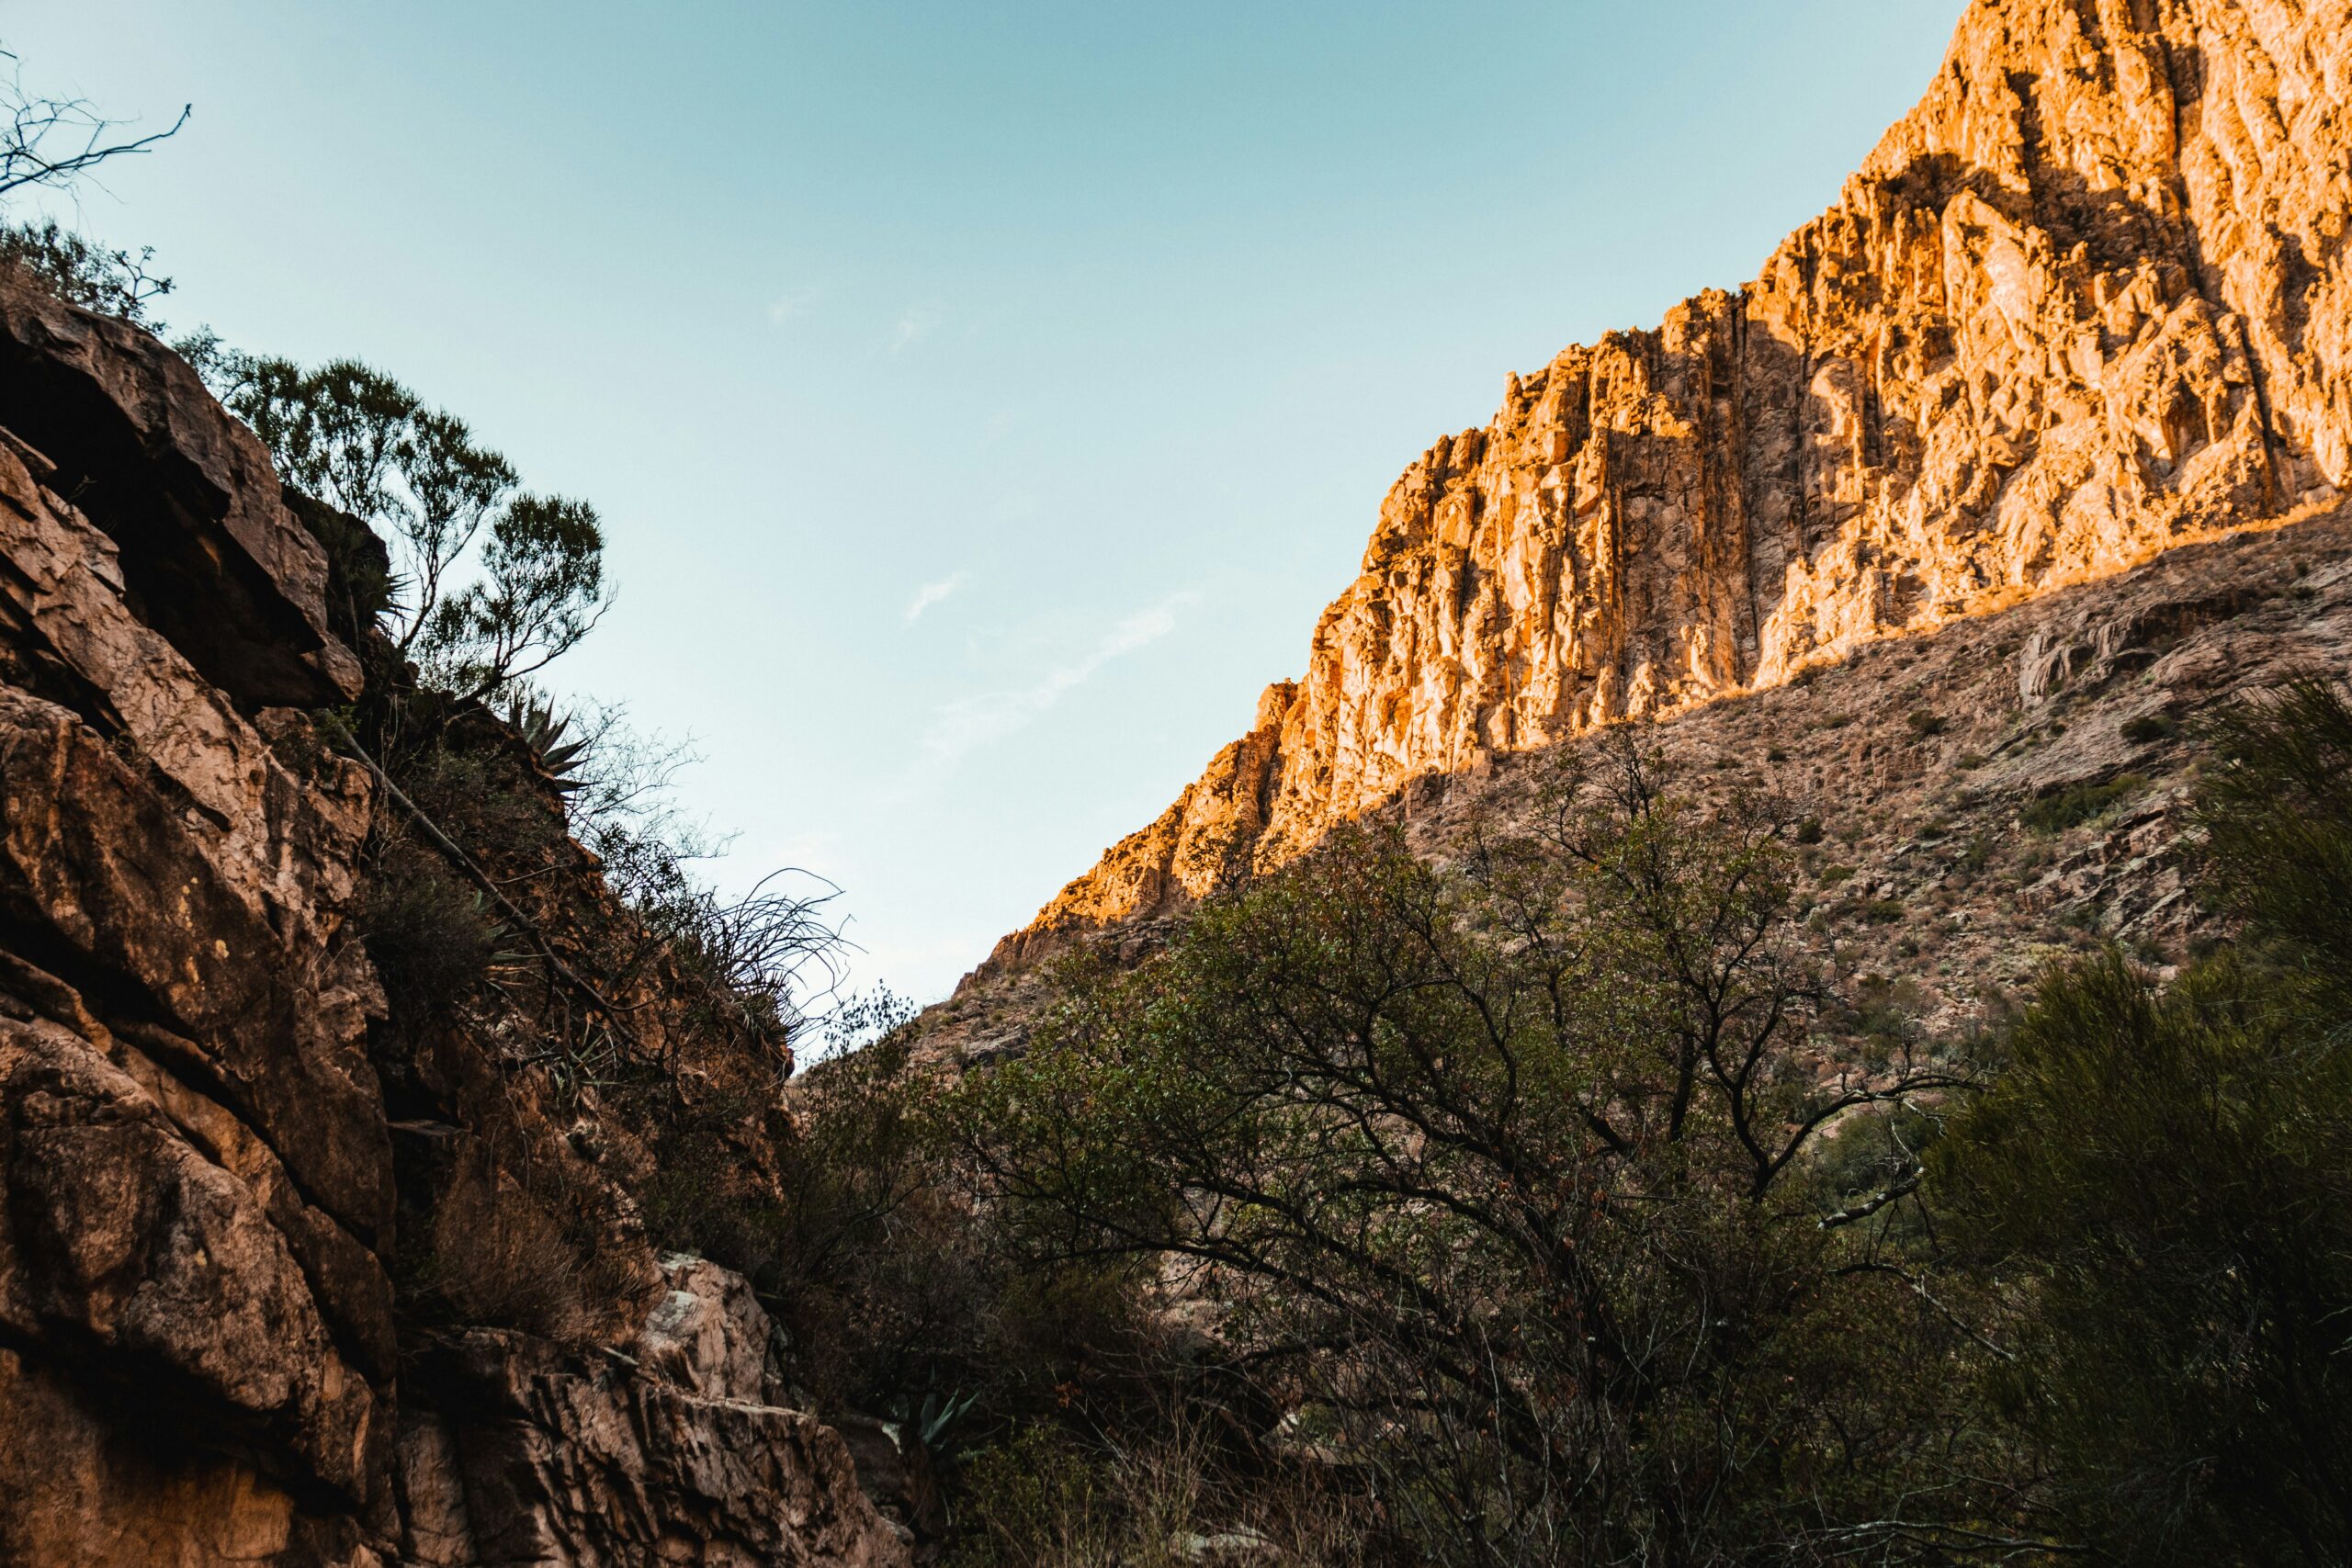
678 1453
2089 300
895 1468
76 1488
217 562
707 1333
201 1206
130 1251
119 895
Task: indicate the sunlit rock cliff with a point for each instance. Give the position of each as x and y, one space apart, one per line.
2088 301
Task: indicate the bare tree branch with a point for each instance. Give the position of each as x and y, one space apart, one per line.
51 142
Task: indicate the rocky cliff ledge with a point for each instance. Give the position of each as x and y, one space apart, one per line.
204 1200
2089 300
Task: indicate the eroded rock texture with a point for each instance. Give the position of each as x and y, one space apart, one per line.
200 1360
686 1456
2089 300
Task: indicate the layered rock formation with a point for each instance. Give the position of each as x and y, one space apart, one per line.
201 1204
690 1456
2089 300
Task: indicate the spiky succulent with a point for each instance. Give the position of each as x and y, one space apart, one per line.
546 731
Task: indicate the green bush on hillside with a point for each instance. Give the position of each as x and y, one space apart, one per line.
1499 1169
2079 803
2163 1180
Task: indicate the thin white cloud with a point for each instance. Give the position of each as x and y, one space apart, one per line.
915 323
968 722
791 303
931 593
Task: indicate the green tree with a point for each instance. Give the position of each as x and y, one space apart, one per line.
366 445
2161 1186
542 589
1496 1171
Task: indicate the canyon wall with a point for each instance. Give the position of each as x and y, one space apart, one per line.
216 1157
2089 300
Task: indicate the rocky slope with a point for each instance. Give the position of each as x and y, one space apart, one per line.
2088 301
2011 786
218 1154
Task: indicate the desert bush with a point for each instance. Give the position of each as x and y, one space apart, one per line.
2276 810
1489 1165
80 271
2169 1177
2078 804
1042 1498
942 1312
431 937
746 966
2162 1179
499 1257
1032 1500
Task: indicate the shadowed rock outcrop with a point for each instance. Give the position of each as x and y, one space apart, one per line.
202 1211
2089 300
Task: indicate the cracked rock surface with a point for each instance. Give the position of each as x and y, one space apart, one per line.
200 1202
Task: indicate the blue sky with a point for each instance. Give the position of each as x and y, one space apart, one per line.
982 399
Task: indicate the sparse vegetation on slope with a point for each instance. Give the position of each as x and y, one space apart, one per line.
1549 1206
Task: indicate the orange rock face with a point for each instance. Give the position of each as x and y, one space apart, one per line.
2090 299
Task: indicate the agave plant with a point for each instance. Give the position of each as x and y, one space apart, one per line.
544 731
932 1424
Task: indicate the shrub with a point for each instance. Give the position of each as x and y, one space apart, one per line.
431 936
2150 728
1925 724
2078 804
1489 1164
882 1277
1042 1498
1033 1500
111 282
2171 1174
2276 808
2165 1181
499 1257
